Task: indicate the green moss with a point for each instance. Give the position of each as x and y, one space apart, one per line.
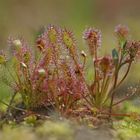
55 130
17 134
127 129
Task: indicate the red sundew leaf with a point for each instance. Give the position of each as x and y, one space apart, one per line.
93 36
67 38
122 31
52 34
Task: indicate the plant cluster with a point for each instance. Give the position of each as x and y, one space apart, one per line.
108 68
54 74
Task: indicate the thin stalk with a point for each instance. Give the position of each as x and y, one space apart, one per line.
106 90
129 66
115 82
116 85
10 103
97 82
113 93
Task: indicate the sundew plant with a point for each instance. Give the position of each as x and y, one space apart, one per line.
107 69
52 72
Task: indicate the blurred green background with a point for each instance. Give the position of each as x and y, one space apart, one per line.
25 17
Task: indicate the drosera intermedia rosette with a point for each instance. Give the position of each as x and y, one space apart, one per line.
54 73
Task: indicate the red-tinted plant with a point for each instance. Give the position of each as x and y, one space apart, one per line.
53 75
107 77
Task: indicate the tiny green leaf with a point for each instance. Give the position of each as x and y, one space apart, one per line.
124 44
124 47
52 34
67 38
115 54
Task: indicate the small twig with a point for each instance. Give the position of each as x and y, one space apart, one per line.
10 103
117 85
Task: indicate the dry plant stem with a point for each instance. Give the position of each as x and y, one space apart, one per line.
113 93
117 85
